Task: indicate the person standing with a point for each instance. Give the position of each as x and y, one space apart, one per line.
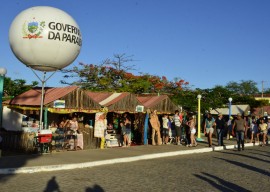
220 126
154 121
74 128
191 124
121 141
262 131
239 126
127 136
229 127
177 124
209 128
74 124
268 126
253 130
165 129
170 134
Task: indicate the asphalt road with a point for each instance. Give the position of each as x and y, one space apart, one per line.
227 170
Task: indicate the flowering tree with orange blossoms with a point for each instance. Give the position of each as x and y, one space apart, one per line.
106 78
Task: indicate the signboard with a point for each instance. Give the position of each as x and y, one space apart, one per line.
59 104
139 108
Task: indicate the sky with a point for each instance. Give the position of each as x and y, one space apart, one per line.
204 42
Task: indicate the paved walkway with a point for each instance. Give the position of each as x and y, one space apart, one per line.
96 157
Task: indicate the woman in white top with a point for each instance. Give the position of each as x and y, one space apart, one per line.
191 124
73 126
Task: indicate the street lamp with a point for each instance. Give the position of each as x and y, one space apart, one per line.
230 107
3 72
199 118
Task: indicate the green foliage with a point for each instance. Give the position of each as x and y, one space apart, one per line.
15 87
244 87
187 99
267 91
217 97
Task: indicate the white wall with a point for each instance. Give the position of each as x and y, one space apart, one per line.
12 120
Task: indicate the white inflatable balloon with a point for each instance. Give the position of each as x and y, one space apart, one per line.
45 38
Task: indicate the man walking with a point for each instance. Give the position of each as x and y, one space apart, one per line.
220 126
239 126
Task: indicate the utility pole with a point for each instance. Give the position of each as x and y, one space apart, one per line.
262 88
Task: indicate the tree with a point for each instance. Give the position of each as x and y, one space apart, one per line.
114 75
107 76
15 87
267 91
244 87
119 62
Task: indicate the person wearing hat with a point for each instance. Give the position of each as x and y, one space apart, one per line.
220 127
240 127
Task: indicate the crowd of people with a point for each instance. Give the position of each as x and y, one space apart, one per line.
173 129
180 130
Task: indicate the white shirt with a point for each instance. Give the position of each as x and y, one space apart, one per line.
165 121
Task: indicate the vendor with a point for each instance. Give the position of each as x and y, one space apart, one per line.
73 130
34 124
64 123
62 126
74 125
53 124
110 128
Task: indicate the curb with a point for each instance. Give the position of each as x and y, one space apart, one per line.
36 169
